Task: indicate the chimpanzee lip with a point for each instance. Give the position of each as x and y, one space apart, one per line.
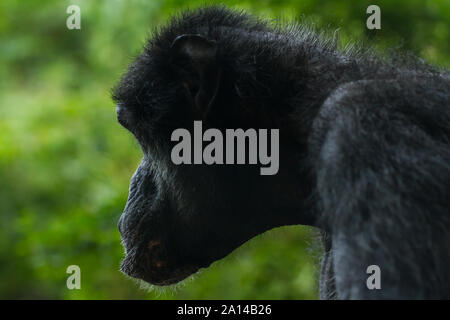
157 276
178 275
137 265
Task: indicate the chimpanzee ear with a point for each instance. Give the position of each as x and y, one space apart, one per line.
196 58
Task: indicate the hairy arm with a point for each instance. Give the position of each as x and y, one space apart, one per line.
383 178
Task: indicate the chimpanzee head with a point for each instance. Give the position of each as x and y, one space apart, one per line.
207 65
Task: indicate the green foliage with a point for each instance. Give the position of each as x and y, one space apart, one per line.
65 163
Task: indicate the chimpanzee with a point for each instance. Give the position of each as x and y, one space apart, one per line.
364 154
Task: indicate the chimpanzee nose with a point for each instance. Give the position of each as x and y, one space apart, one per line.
123 115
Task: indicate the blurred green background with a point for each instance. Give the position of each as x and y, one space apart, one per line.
65 163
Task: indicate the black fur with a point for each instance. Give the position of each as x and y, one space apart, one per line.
364 154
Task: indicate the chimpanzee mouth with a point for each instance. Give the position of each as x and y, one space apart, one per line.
153 265
164 277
